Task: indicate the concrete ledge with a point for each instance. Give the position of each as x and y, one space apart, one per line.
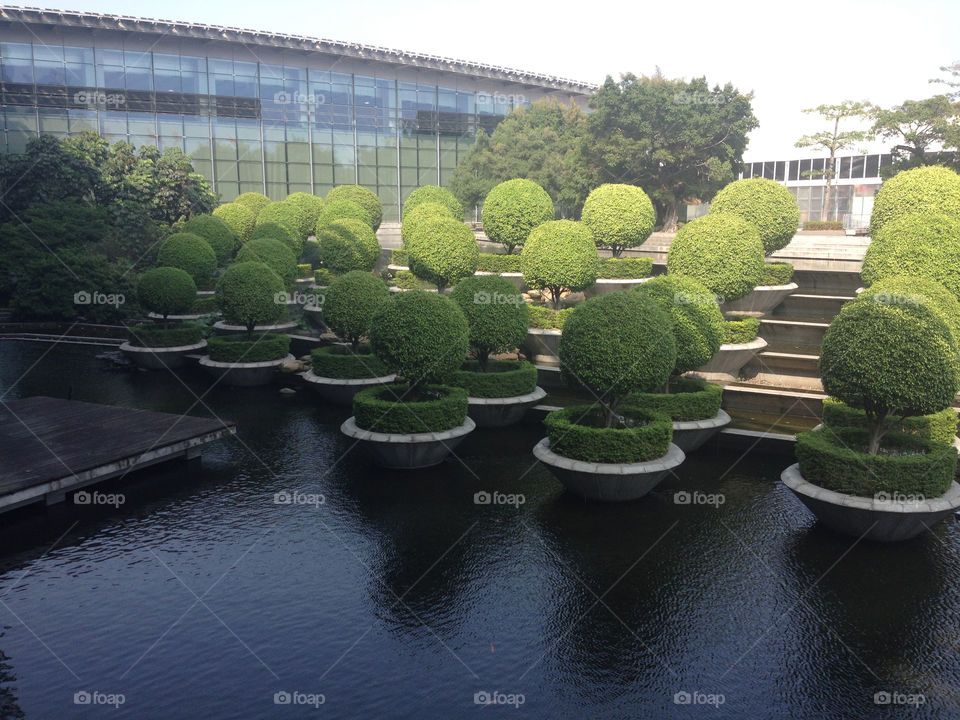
243 374
182 318
501 412
340 391
542 346
159 358
402 451
689 435
761 301
726 364
603 286
277 328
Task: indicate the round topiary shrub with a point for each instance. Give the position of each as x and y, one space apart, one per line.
436 195
166 291
496 313
367 199
417 215
350 302
273 253
310 207
347 245
442 250
698 325
216 232
277 232
253 201
722 251
335 210
288 215
345 362
923 245
765 204
619 216
247 295
191 253
240 219
930 189
911 290
514 208
559 255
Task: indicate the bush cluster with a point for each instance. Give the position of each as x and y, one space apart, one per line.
580 433
347 245
231 349
619 216
190 253
273 253
240 219
367 199
559 255
166 291
278 232
500 379
940 427
496 263
442 251
216 232
342 362
625 268
154 337
765 204
930 189
439 408
436 195
512 209
743 330
687 399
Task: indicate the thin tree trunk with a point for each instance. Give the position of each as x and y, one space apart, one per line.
827 191
877 432
670 217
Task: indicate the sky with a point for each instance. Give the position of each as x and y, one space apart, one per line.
791 55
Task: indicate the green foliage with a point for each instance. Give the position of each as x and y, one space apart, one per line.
272 253
419 214
500 378
389 409
559 255
496 313
350 302
514 208
310 207
290 215
206 305
400 258
347 245
155 337
913 128
442 251
743 330
544 318
688 399
927 190
247 295
580 433
778 273
304 271
323 277
909 289
406 280
823 225
253 201
343 363
722 251
436 195
940 427
367 199
275 231
625 268
335 210
191 253
496 263
239 218
167 291
766 204
619 216
216 232
232 349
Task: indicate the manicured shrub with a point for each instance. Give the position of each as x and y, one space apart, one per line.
544 318
217 233
442 251
436 195
496 313
346 363
289 215
206 305
582 433
722 251
406 280
619 216
514 208
559 255
323 277
273 253
930 189
253 201
304 271
190 253
765 204
350 302
779 273
335 210
940 427
698 326
743 329
310 208
240 219
247 295
420 213
499 379
625 268
496 263
823 225
166 291
230 349
909 290
367 199
400 258
391 409
687 399
347 245
154 337
275 231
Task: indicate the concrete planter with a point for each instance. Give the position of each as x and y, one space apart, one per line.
725 366
340 391
501 412
278 328
243 374
161 357
870 518
399 451
542 346
608 482
689 435
314 316
608 285
761 301
182 318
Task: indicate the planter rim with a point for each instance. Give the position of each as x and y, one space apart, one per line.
621 281
310 377
772 288
538 394
221 325
540 331
312 308
718 420
207 362
127 347
350 429
195 316
395 289
673 457
755 344
205 293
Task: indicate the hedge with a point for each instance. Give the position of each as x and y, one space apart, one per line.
502 378
310 208
544 318
779 273
512 209
232 349
350 303
743 330
619 216
559 255
578 433
272 253
240 219
437 195
367 199
930 189
247 295
341 362
496 263
275 231
377 409
442 250
154 337
216 232
190 253
347 245
835 459
291 216
940 427
823 225
625 268
253 201
166 291
341 210
687 399
206 305
765 204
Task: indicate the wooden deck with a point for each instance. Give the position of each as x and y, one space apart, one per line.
49 447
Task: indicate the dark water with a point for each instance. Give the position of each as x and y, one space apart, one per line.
399 597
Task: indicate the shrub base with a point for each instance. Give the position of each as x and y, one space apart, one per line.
408 451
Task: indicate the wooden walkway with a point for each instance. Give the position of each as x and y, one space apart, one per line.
49 447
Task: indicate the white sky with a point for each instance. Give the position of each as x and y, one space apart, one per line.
792 55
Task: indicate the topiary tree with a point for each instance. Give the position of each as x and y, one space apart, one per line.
496 313
889 360
418 214
766 204
347 245
436 195
273 253
253 201
240 219
698 325
929 189
275 231
421 336
166 291
367 199
514 208
191 253
288 215
216 232
442 250
335 210
559 255
910 289
350 302
310 207
619 216
722 251
616 344
247 293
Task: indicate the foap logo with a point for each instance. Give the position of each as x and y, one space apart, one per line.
685 298
98 498
299 98
95 697
697 98
299 298
99 99
295 497
885 697
498 98
482 297
83 297
498 498
889 498
886 298
698 698
698 498
484 697
295 697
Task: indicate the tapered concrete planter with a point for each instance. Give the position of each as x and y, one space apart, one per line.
608 482
243 374
688 435
608 285
541 346
340 391
870 518
501 412
395 289
259 329
408 451
314 316
761 301
725 366
161 357
182 318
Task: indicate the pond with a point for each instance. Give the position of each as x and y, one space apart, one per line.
388 595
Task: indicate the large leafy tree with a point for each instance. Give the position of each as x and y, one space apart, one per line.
676 139
924 131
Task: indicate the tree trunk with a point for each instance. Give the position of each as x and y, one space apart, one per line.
555 297
670 217
831 163
482 357
876 432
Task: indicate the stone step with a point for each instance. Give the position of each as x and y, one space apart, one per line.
776 402
837 282
813 304
776 330
780 369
